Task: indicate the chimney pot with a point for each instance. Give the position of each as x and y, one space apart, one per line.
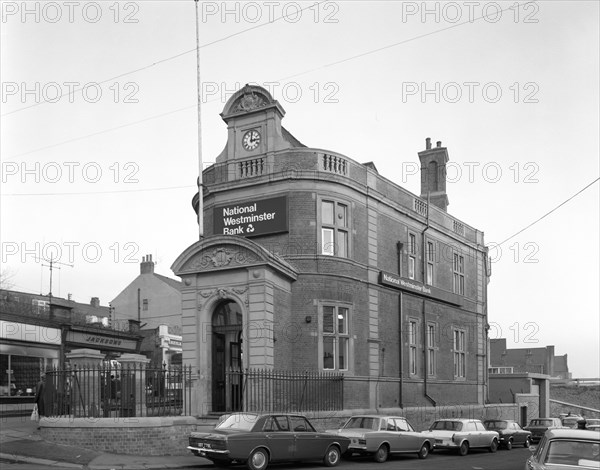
146 266
439 143
427 143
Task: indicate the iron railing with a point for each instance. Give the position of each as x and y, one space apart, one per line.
126 391
284 391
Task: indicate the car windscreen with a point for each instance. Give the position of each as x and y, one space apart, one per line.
241 422
573 452
446 426
541 422
362 422
493 425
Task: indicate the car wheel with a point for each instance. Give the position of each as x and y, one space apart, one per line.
258 460
424 452
464 448
509 444
382 453
527 443
332 456
494 445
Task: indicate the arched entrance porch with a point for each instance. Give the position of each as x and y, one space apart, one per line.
224 276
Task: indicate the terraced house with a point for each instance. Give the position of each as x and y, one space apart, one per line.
312 262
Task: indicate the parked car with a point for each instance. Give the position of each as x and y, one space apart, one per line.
381 436
511 434
259 439
538 426
592 423
570 421
462 435
562 449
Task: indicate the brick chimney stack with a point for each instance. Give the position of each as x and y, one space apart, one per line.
95 302
147 265
433 174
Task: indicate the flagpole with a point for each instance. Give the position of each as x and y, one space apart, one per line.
200 195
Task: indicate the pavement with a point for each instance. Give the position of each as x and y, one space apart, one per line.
20 441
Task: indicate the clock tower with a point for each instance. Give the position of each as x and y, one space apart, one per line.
254 128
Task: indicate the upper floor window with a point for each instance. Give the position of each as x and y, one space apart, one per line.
412 255
40 306
145 305
334 229
459 274
336 337
430 258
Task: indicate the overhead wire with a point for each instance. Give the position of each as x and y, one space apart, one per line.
357 56
167 59
548 213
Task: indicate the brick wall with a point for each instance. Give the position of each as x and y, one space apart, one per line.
421 417
131 436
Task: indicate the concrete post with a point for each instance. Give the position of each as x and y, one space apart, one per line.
133 386
85 382
544 397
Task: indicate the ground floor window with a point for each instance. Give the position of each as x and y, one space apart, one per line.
459 353
19 375
412 347
335 339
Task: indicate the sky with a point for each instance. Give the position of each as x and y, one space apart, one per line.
99 133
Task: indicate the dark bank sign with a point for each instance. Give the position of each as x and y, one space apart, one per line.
416 287
252 218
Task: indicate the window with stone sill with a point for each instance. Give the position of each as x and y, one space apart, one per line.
334 228
430 260
412 347
459 274
459 354
335 338
412 255
431 349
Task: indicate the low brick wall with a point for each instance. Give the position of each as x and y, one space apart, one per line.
420 417
133 436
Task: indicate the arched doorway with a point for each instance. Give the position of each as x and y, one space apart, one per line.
227 322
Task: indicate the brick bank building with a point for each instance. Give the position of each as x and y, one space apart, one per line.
311 261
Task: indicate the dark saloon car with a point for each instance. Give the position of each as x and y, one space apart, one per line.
258 439
539 426
511 434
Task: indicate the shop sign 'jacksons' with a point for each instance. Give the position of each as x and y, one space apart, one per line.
251 219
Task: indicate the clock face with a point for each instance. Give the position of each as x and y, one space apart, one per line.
251 140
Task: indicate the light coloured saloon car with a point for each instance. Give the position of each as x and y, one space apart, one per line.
566 449
462 435
380 436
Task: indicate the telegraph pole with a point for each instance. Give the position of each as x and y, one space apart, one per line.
199 87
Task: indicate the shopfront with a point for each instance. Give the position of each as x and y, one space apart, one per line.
26 350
